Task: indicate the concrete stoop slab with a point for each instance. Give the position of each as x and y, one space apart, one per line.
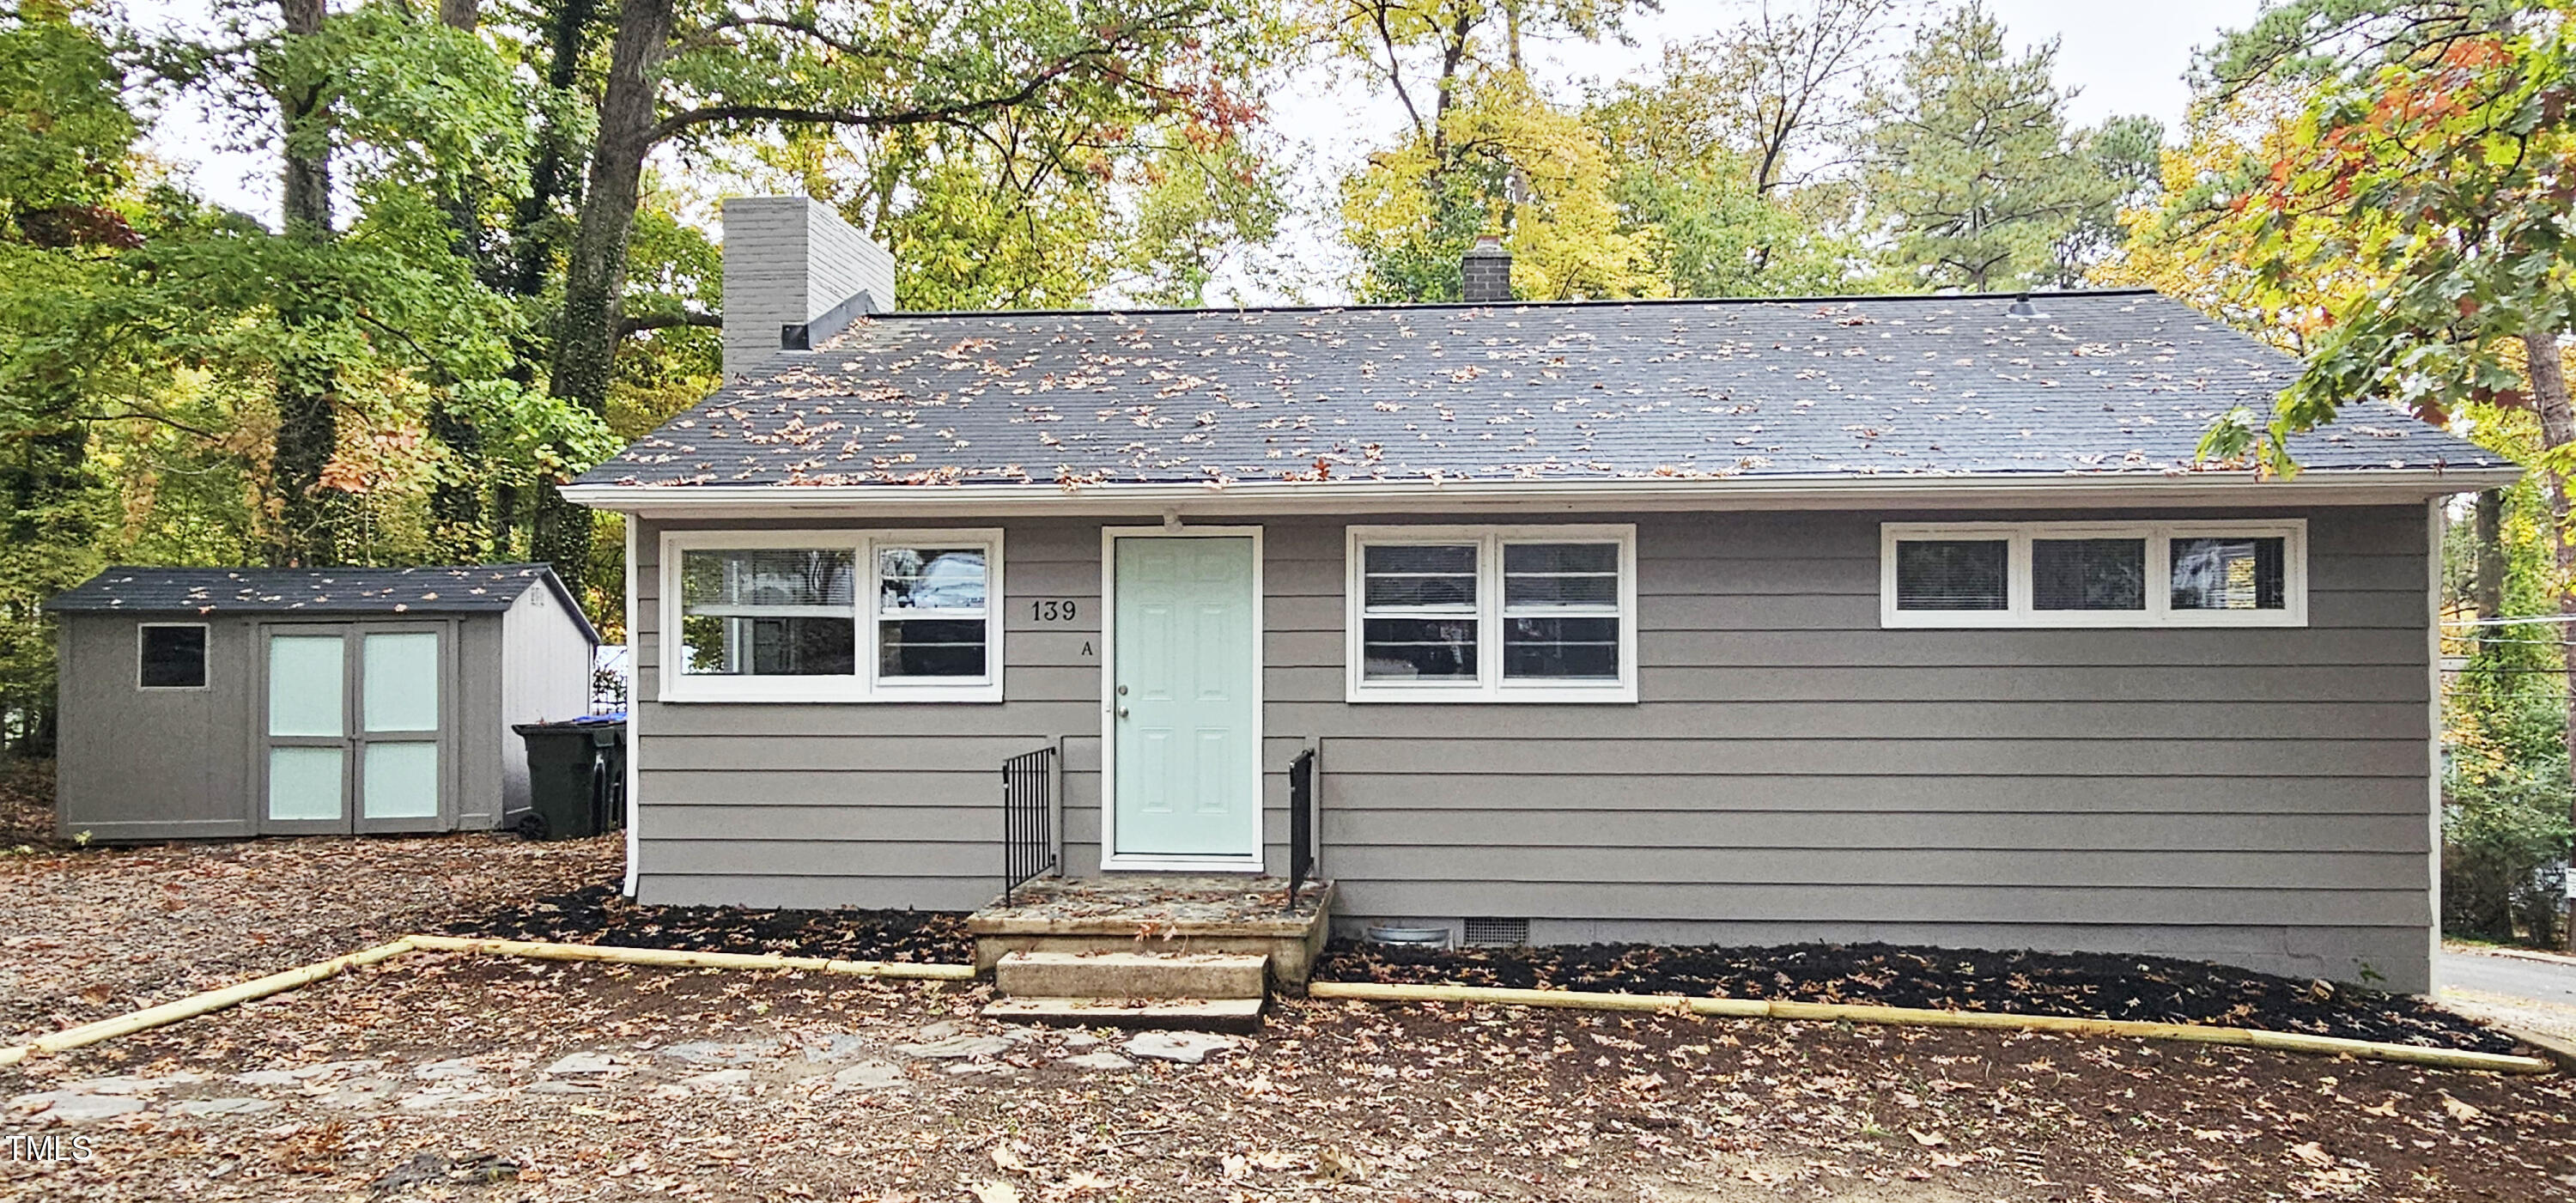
1240 1015
1131 975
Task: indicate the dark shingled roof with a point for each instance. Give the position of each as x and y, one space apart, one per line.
355 591
2109 382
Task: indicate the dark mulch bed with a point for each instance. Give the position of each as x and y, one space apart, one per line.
600 915
2093 985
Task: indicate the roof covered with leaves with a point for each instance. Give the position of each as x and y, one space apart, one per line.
355 591
2106 382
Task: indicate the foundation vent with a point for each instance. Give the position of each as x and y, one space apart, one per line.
1497 932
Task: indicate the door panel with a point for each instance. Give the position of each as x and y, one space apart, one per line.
305 682
306 784
1184 682
402 681
401 780
402 704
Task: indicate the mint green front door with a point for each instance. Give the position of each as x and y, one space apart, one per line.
1184 710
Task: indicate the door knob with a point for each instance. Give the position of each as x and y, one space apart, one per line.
1122 712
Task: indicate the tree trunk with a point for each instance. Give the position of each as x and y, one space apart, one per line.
2488 589
2558 429
586 341
308 516
460 14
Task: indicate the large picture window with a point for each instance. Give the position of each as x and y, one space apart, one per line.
1509 614
851 616
2065 574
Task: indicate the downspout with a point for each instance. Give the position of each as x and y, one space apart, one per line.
634 684
2435 514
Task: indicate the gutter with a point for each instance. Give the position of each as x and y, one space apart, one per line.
2314 487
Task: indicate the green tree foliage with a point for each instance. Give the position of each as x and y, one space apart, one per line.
1971 172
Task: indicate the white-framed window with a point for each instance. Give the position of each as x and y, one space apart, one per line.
1492 613
170 655
832 616
2199 573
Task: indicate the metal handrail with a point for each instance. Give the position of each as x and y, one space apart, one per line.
1301 820
1032 817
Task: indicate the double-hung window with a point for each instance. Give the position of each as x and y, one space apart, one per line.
1492 614
832 616
2082 574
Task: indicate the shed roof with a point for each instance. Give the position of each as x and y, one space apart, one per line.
464 589
2102 383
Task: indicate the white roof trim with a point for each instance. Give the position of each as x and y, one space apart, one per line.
2316 487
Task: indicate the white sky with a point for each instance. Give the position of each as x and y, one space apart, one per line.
2116 57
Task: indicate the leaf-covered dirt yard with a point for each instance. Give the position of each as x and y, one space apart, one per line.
86 933
465 1077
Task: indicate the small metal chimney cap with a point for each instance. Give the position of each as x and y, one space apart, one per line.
2022 308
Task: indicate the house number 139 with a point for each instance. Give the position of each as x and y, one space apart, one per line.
1053 611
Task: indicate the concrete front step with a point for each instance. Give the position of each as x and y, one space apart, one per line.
1132 975
1241 1015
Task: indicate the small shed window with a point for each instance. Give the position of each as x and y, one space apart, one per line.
2041 574
1492 614
171 656
832 616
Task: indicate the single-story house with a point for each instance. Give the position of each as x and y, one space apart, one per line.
262 701
1749 621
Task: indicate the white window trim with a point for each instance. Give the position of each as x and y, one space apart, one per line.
2158 535
864 685
205 659
1489 685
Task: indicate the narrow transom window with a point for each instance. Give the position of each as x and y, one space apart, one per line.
2221 573
2034 574
832 616
171 656
1952 574
1492 614
2088 574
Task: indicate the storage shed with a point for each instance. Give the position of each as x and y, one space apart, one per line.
198 702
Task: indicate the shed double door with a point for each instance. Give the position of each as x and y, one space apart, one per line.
356 728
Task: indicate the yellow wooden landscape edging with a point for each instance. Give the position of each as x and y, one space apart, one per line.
1734 1008
1754 1008
278 983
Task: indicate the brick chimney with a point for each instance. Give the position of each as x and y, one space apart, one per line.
1485 273
794 275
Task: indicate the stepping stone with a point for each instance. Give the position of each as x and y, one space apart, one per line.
443 1071
360 1092
837 1048
64 1107
329 1068
941 1030
267 1077
583 1063
1081 1040
564 1088
869 1075
718 1077
712 1052
1187 1048
442 1097
953 1047
121 1085
224 1106
1206 1015
1100 1060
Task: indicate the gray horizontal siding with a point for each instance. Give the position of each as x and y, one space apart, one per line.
1791 771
